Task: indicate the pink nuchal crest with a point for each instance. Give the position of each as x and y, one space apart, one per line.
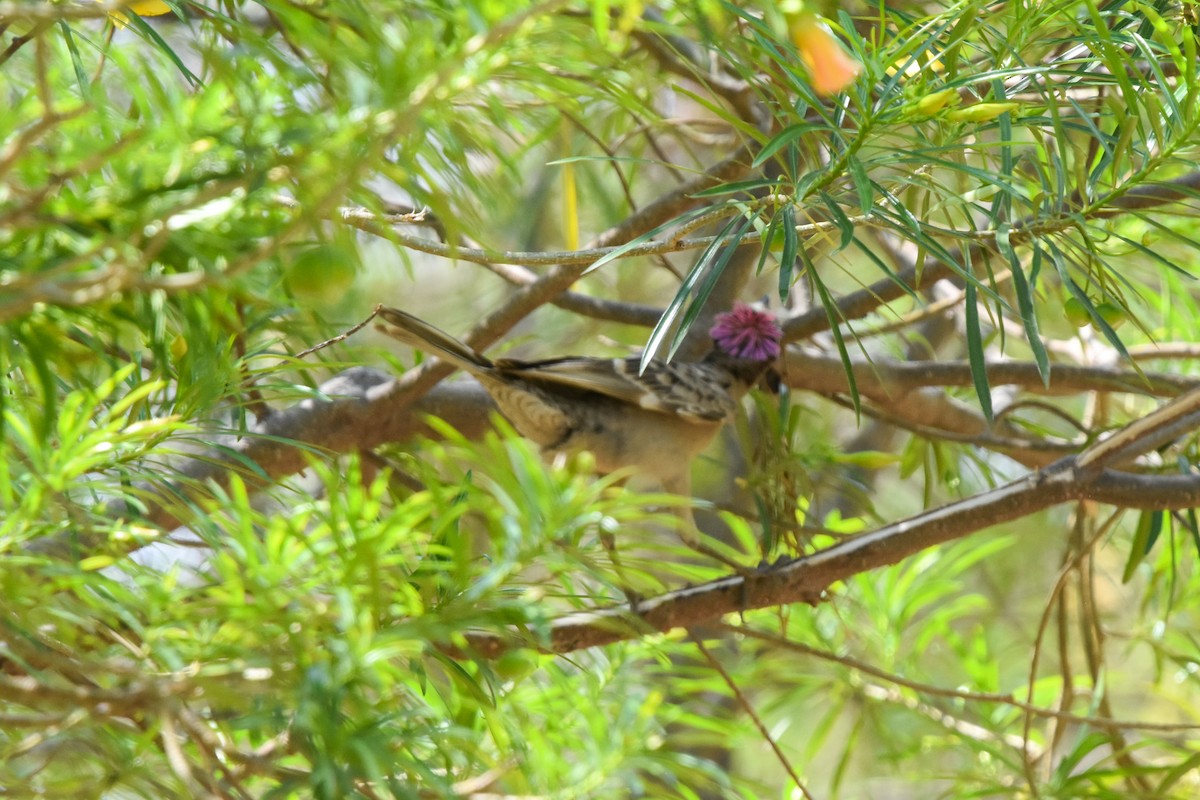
745 332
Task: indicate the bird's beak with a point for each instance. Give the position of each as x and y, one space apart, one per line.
772 379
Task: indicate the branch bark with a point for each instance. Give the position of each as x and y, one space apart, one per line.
362 408
807 579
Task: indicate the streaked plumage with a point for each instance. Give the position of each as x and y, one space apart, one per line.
655 422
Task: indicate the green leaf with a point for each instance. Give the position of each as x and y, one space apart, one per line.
1177 117
1149 527
845 226
737 186
690 284
1001 211
862 184
85 87
1025 303
782 139
147 30
834 316
975 353
791 246
729 247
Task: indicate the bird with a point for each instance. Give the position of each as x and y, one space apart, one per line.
652 420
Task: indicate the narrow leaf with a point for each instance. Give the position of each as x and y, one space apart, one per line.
845 226
1148 529
975 353
732 188
148 31
768 241
834 315
1025 304
782 139
862 184
76 62
791 246
659 334
729 247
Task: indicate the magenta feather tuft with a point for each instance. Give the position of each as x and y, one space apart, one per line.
745 332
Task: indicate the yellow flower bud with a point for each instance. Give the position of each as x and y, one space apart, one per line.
931 104
179 348
149 8
143 8
980 112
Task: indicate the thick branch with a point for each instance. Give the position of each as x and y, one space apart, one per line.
362 408
807 579
356 410
893 379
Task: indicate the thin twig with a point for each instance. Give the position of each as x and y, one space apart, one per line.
746 706
940 691
341 337
371 223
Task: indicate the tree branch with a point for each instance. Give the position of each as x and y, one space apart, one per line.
362 408
807 579
804 369
373 223
355 410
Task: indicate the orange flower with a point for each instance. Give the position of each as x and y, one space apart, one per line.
830 69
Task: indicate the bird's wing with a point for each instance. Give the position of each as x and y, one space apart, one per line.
697 392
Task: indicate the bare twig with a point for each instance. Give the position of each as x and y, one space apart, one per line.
748 708
582 304
868 668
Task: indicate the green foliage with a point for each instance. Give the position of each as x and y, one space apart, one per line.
310 641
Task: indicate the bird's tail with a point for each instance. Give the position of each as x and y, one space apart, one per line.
423 336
